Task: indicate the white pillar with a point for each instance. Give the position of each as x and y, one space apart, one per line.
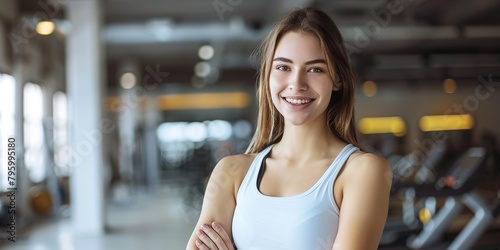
85 72
23 182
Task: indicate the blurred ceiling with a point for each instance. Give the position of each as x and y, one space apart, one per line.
418 40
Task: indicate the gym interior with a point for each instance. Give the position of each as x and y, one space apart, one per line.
113 114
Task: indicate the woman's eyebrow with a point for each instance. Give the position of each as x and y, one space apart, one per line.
284 59
315 61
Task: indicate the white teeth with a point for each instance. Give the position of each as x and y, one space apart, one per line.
298 101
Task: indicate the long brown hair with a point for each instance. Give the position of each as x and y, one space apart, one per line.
340 110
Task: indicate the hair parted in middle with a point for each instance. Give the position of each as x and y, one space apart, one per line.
340 110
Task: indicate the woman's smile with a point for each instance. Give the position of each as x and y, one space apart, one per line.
297 103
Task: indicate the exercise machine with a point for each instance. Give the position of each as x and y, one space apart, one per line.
409 171
457 186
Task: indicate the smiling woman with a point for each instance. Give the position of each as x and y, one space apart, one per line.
303 183
300 88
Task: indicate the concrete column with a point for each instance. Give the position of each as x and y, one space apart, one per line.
23 182
152 118
85 72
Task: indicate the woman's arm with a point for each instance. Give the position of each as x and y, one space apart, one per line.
365 203
219 201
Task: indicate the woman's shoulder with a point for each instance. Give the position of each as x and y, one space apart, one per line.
365 166
364 158
236 162
234 166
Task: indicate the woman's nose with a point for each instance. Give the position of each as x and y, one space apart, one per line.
297 82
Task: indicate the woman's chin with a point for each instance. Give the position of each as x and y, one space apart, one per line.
297 121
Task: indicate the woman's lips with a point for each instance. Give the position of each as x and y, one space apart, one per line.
298 102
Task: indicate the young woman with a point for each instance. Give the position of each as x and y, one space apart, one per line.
303 183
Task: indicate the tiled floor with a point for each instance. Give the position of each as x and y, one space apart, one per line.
164 221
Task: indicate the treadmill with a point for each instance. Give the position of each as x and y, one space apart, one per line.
457 186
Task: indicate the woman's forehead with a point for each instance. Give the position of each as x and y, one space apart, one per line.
299 46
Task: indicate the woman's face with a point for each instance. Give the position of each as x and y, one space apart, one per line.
299 82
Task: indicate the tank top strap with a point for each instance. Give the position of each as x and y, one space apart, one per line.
260 157
253 172
345 153
257 162
339 162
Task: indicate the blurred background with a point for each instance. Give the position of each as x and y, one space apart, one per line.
118 110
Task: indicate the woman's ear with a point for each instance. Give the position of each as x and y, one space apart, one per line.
337 86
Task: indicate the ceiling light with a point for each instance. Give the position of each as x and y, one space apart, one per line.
206 52
382 125
202 69
369 88
128 80
446 122
45 28
204 101
449 86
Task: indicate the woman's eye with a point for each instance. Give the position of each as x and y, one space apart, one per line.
315 70
282 68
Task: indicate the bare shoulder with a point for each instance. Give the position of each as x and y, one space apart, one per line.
364 166
232 169
235 164
369 159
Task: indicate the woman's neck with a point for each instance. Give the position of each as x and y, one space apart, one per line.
308 141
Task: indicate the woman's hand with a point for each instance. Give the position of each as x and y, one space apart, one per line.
213 237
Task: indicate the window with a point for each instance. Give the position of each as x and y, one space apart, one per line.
34 156
60 112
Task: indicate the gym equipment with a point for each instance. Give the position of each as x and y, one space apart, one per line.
404 167
424 215
427 171
40 201
457 186
408 171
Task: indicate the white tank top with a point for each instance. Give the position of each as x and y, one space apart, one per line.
307 221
